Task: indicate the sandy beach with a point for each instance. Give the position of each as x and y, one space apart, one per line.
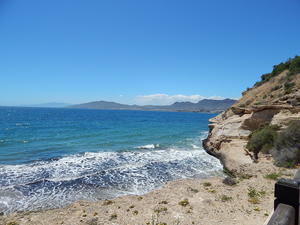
181 202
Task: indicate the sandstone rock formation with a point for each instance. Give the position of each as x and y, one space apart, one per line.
268 103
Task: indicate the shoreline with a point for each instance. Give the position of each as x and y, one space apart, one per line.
202 201
181 202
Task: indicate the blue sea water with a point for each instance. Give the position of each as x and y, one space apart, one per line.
52 157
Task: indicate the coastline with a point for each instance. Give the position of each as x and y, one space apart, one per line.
186 201
180 202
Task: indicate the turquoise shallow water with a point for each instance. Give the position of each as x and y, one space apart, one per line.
52 157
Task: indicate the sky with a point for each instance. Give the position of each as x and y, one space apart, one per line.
140 51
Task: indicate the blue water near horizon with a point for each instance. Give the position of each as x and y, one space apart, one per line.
51 157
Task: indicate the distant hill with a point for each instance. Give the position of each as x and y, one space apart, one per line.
49 105
205 105
104 105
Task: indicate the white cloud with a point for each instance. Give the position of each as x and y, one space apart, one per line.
165 99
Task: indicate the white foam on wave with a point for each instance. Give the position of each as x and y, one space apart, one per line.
203 135
150 146
94 175
75 166
195 146
22 124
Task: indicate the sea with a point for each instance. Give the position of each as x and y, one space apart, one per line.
51 157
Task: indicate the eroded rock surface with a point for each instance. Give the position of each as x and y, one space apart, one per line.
230 130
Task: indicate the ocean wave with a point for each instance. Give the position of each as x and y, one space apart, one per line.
150 146
195 146
93 176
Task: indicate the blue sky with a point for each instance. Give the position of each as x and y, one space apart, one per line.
140 51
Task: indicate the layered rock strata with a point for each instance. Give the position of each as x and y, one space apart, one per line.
229 131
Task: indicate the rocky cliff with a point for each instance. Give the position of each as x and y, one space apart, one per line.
274 100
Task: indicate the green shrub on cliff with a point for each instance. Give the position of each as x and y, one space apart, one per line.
262 139
288 87
286 151
293 65
284 145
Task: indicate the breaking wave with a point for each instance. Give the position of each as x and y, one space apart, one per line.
151 146
52 157
94 176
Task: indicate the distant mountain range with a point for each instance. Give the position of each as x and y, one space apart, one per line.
49 105
205 105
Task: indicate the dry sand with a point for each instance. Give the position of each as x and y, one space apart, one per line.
181 202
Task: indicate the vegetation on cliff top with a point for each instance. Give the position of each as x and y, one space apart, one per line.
284 80
293 65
